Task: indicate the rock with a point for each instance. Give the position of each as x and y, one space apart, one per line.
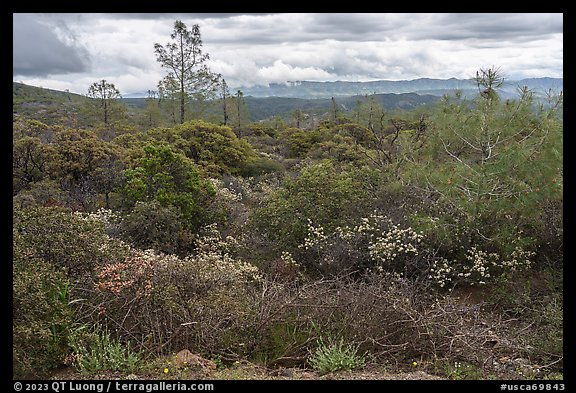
185 358
70 359
525 368
419 375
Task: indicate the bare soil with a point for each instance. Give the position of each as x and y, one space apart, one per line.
246 371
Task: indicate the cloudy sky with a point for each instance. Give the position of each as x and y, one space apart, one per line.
71 51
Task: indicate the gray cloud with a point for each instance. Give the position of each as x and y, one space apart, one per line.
175 16
494 28
250 49
355 27
37 50
87 17
381 26
497 27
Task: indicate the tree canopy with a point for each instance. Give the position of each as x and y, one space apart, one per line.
188 74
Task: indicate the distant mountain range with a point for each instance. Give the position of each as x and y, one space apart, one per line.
437 87
54 106
266 107
282 99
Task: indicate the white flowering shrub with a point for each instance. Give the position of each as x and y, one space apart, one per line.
105 216
214 261
394 242
234 198
374 242
315 237
441 272
286 269
478 266
148 225
156 294
256 189
224 193
459 254
379 244
142 270
67 239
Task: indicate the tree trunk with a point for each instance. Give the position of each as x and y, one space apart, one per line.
182 103
105 113
182 76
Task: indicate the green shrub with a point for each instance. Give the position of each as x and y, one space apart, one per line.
94 350
65 239
298 142
494 169
41 316
171 179
29 156
211 144
536 300
54 250
45 192
329 195
151 225
261 166
336 355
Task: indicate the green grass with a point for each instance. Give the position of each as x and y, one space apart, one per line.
335 356
94 351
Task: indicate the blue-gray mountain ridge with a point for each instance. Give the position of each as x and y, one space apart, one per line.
438 87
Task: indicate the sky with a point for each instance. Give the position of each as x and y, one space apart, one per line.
73 50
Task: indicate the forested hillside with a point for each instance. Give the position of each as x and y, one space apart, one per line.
437 87
51 106
57 106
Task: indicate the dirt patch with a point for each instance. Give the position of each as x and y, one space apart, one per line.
245 371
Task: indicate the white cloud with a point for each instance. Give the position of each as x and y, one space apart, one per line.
260 49
280 72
